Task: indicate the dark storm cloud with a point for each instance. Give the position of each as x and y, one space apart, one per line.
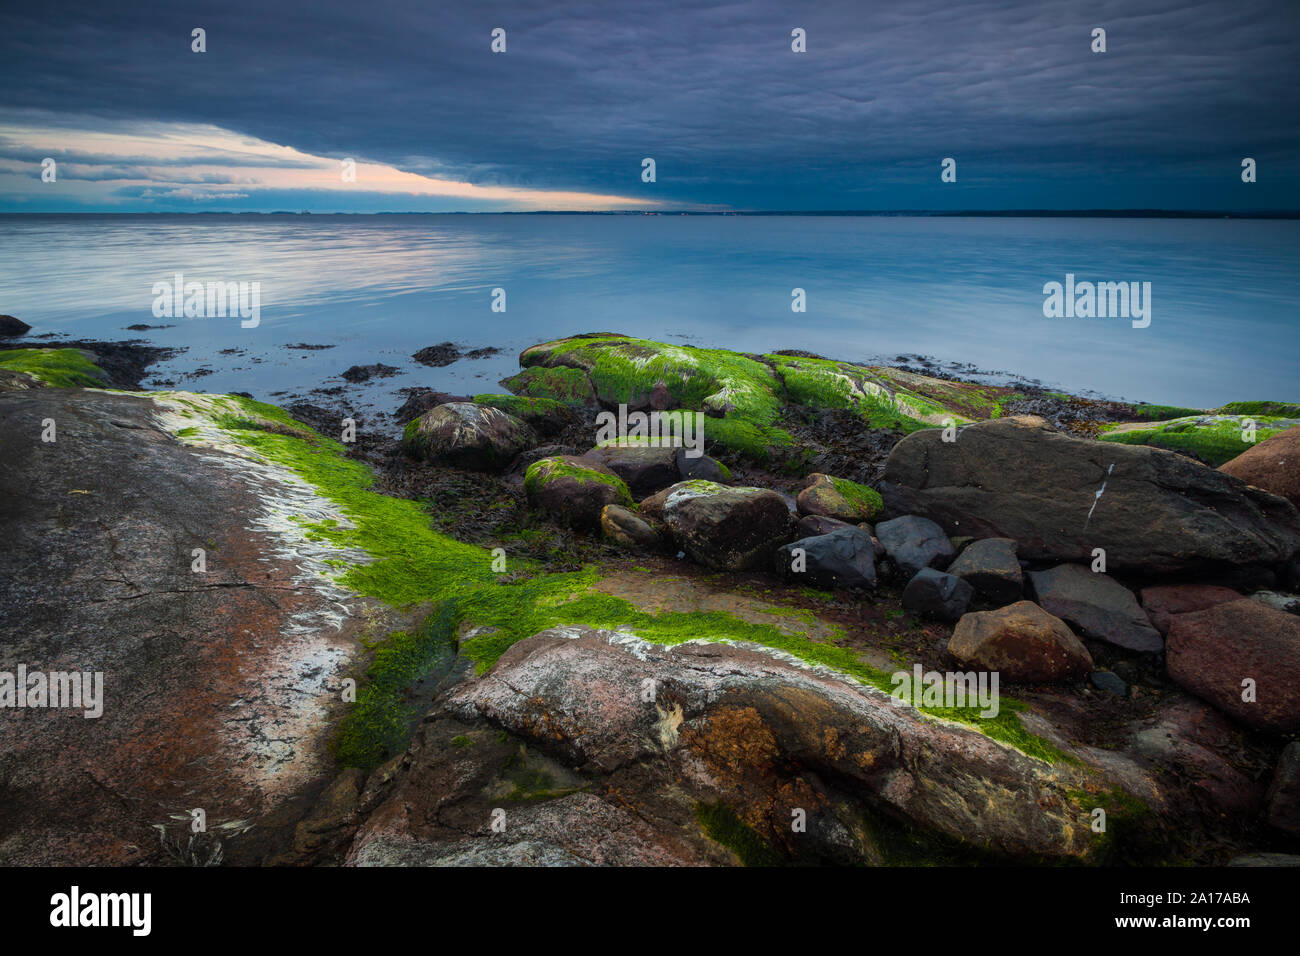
713 92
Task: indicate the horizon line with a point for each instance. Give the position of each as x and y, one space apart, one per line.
1127 213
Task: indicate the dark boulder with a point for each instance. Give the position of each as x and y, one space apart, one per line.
11 327
731 529
1060 497
937 594
1097 605
645 468
992 568
913 542
843 558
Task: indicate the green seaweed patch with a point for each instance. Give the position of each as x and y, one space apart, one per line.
824 383
59 368
1134 834
568 385
529 408
625 370
378 726
741 437
1213 439
721 825
1163 413
866 500
1279 409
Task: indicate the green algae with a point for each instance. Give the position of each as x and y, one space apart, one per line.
528 408
625 370
866 500
1163 413
543 471
1279 409
825 383
1214 439
60 368
568 385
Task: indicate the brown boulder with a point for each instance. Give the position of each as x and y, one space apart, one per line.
1021 641
1273 464
1164 601
1212 652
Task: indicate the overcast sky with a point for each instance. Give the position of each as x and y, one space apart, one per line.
733 118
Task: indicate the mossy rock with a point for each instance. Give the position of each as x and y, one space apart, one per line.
465 435
1213 439
1164 413
628 371
1255 409
574 490
59 368
839 498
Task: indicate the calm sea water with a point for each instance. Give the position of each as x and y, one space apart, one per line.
1225 293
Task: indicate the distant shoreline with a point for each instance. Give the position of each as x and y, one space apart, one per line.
857 213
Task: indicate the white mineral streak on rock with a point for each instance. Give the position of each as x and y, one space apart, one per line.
276 729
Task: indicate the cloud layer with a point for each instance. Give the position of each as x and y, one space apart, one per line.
711 91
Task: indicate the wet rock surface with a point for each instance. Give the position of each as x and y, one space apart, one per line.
936 594
841 558
913 543
1159 511
219 687
991 567
733 732
1211 653
1097 605
1023 642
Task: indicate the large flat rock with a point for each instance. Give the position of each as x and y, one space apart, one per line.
1061 497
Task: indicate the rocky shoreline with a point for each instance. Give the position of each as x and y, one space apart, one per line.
576 651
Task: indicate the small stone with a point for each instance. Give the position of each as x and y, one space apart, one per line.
624 526
935 594
1109 682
